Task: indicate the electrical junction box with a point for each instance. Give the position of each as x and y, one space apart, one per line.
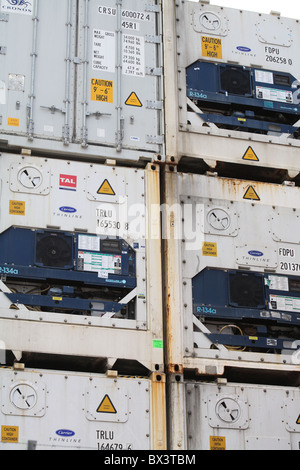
87 79
239 244
75 411
237 75
239 416
74 240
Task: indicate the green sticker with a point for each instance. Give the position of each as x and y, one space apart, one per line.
158 343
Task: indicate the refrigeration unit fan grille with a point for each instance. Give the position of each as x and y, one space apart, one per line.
246 290
54 250
235 81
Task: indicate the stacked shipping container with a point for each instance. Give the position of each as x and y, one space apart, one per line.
231 213
81 124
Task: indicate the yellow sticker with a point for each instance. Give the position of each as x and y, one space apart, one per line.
209 249
17 207
251 194
102 90
10 434
250 155
13 122
106 406
106 188
217 443
298 420
211 47
133 100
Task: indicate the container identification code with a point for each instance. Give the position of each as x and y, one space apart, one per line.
127 14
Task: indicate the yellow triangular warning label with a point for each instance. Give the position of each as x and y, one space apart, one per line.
106 406
250 155
298 420
106 188
133 100
251 194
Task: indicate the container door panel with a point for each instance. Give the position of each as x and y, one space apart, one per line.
119 97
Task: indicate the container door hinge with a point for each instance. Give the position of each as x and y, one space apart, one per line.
155 139
154 71
155 105
152 39
152 8
3 50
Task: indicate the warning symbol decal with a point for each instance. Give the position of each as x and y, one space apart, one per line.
106 406
251 194
106 188
133 100
298 420
250 155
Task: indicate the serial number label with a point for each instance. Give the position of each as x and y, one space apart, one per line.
273 54
287 266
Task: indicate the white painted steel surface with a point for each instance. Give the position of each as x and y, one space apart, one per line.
54 410
35 193
255 239
245 38
241 417
82 78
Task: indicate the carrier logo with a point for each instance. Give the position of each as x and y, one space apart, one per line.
243 49
65 433
17 6
68 210
68 182
255 253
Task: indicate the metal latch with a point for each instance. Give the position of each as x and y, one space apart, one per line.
53 109
98 114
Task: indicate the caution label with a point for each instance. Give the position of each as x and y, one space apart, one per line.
298 420
209 249
17 207
102 90
10 434
13 122
106 188
251 194
211 47
250 155
133 100
106 406
217 443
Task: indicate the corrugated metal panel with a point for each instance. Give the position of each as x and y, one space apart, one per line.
73 411
86 76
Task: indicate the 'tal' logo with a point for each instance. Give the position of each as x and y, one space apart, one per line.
68 182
